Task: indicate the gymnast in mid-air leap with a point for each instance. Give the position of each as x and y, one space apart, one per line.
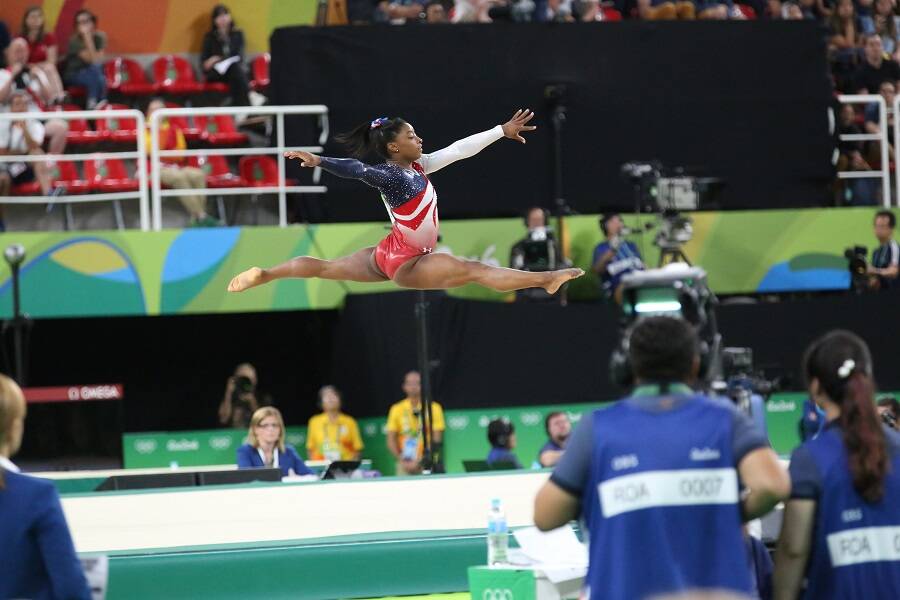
405 255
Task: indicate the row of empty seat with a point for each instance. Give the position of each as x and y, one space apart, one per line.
218 130
111 175
172 76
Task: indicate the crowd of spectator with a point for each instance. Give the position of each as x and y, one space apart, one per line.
47 74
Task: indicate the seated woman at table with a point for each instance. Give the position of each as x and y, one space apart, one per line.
265 445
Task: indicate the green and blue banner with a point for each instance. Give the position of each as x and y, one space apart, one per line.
116 273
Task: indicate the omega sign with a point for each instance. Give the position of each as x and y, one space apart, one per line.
95 392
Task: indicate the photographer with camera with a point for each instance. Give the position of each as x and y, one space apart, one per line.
665 464
885 264
615 257
889 411
537 251
240 400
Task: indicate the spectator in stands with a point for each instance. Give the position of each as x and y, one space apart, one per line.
615 257
844 32
265 445
558 428
889 411
240 400
222 57
42 55
839 529
17 77
39 559
859 191
502 438
885 265
793 12
332 435
619 483
666 10
558 11
404 429
875 67
883 23
174 173
537 251
435 13
84 58
809 10
25 136
400 12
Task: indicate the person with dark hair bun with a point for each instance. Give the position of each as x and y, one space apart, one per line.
406 255
841 524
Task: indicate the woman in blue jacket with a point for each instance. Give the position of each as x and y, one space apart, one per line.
265 445
841 529
38 556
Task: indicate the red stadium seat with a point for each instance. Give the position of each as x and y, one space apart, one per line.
126 77
174 75
260 67
190 133
109 176
220 130
218 175
79 131
115 129
261 171
65 174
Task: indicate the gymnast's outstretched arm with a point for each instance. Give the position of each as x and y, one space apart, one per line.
472 145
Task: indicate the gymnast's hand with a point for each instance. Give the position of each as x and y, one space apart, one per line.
306 159
518 124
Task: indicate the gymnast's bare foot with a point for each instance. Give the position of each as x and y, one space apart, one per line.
252 277
560 277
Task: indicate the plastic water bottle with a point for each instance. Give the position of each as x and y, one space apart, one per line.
497 535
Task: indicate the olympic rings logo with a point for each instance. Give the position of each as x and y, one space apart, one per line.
492 594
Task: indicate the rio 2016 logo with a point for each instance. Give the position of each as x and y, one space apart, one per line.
145 446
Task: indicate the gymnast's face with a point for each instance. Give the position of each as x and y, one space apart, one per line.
407 146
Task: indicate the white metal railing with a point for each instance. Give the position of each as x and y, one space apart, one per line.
278 149
881 137
139 154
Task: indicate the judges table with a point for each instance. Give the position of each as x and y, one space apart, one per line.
322 539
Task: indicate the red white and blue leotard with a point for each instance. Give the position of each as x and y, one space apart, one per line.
409 197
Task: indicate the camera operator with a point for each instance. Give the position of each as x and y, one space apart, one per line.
885 264
537 251
241 399
684 481
615 257
889 411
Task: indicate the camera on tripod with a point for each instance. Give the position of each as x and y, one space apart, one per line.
858 264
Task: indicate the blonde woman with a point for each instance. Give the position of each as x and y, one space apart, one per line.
39 559
265 445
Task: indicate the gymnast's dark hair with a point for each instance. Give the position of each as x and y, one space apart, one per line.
841 362
372 137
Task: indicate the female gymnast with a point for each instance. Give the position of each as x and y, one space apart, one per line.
405 255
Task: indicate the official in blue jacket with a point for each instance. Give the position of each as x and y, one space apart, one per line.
656 479
265 445
37 556
841 530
